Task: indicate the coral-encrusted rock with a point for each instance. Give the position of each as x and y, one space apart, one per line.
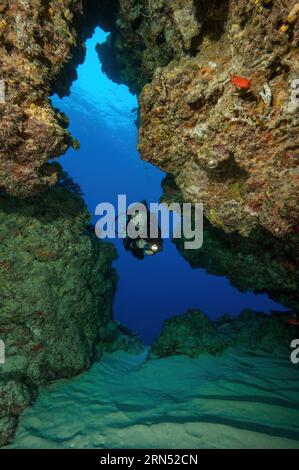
234 149
193 333
56 294
41 42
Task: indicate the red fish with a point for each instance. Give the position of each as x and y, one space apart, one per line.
240 82
293 321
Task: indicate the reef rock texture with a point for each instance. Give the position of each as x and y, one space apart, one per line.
230 144
219 104
193 333
261 264
56 292
41 42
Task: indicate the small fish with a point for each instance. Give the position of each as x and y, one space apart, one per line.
293 322
240 82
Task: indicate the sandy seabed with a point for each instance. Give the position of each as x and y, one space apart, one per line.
233 401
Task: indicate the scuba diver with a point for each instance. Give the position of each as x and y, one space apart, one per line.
143 246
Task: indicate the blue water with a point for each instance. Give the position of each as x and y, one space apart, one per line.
108 164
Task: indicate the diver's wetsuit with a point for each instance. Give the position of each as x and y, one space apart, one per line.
141 247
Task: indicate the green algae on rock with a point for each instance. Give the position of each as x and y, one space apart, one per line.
56 293
193 333
41 43
260 263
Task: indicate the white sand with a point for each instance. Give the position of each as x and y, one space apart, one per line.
236 401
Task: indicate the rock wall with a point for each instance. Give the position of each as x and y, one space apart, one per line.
219 103
56 294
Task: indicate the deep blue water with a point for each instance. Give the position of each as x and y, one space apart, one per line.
108 164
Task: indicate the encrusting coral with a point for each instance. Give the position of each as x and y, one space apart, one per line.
193 333
261 263
218 86
56 294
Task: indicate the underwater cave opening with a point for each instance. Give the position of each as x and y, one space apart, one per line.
103 118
